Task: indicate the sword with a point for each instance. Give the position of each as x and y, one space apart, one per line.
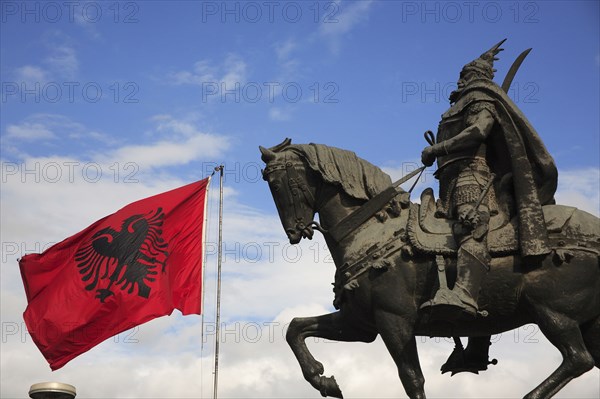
482 195
485 191
513 70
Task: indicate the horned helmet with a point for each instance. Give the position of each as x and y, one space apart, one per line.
479 68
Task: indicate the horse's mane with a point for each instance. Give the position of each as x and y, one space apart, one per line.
358 178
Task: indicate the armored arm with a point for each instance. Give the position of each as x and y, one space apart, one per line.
479 125
471 137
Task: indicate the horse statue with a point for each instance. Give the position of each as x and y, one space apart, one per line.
387 255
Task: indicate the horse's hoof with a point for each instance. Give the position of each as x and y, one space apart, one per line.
329 387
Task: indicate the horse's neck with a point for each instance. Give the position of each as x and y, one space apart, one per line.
335 205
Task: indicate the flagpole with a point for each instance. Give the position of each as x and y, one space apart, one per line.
219 259
205 228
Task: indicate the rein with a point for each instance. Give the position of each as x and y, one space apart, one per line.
369 208
350 222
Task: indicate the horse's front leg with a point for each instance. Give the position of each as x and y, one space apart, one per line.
330 326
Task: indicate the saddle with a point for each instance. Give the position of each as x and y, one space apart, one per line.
432 235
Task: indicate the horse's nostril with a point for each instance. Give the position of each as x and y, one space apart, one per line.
289 232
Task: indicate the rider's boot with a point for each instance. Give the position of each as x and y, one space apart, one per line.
471 268
461 302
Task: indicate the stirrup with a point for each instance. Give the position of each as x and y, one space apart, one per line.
446 305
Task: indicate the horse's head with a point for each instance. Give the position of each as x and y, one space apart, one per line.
293 186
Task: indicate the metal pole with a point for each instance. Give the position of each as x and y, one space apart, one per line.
205 230
219 258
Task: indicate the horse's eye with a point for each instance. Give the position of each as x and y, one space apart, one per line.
275 187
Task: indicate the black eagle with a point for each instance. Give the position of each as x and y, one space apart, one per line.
129 255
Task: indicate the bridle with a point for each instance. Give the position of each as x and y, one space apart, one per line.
297 189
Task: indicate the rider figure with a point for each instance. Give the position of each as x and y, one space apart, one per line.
482 136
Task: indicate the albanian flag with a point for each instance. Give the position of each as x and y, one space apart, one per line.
124 270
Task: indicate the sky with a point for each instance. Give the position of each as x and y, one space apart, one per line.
105 103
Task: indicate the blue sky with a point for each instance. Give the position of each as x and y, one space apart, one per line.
103 103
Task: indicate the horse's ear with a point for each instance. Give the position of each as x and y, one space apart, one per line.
282 145
267 155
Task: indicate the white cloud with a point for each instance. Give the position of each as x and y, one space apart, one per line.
45 127
183 143
201 72
168 153
30 75
28 131
180 141
166 123
284 49
63 61
351 14
230 71
288 65
88 24
235 70
60 62
580 188
280 114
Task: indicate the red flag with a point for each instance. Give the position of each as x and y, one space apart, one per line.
124 270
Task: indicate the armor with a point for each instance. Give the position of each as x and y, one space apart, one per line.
465 180
462 174
481 136
464 177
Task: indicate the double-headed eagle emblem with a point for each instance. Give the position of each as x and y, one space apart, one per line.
128 258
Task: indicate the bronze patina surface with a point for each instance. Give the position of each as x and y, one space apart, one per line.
493 253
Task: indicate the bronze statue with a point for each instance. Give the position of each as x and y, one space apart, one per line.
492 254
387 251
483 135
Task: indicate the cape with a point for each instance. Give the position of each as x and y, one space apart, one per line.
515 147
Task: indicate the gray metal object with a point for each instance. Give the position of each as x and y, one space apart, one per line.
52 390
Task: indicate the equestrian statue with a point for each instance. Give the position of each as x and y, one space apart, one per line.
492 253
